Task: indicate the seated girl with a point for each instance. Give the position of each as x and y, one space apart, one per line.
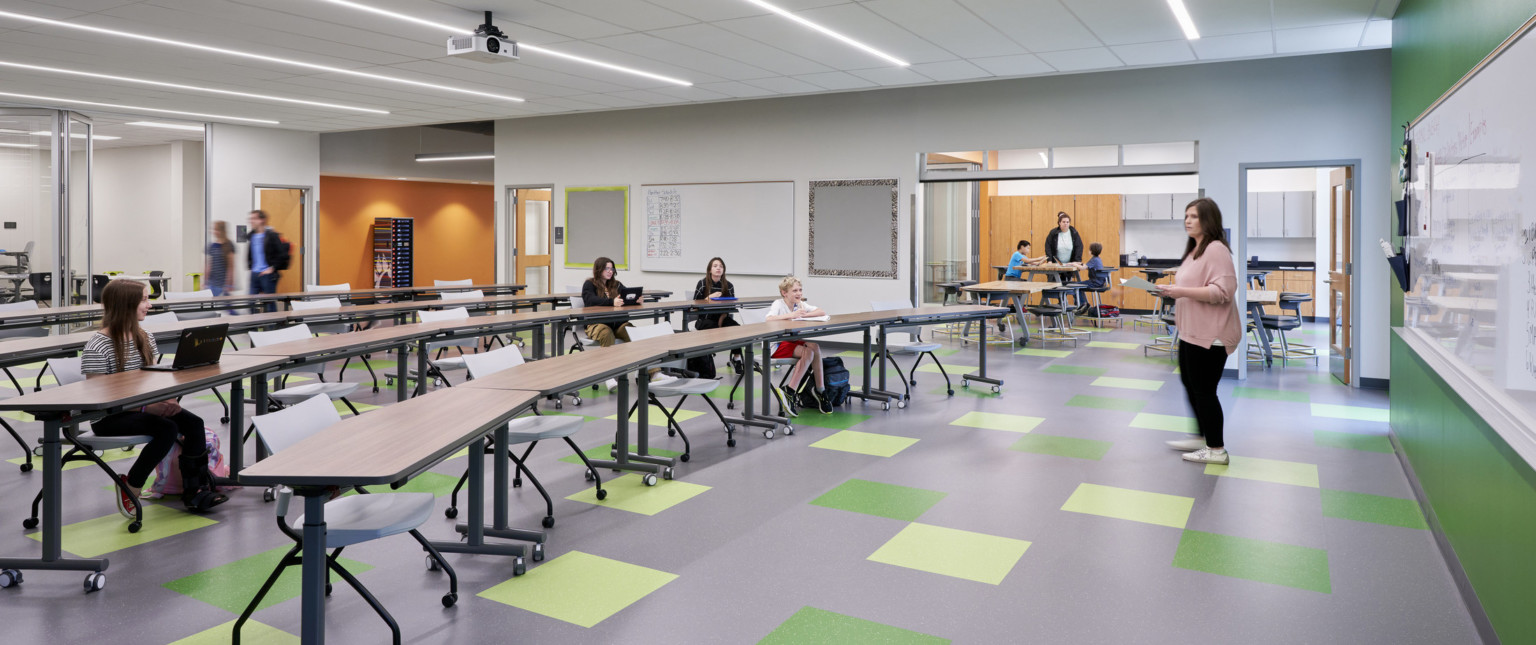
601 290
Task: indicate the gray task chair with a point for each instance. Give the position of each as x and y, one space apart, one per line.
752 317
349 520
24 332
916 345
681 389
335 328
289 395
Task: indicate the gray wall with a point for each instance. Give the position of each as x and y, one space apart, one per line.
1331 106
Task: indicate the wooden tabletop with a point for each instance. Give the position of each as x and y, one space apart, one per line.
392 443
1263 297
564 373
139 387
1010 286
333 343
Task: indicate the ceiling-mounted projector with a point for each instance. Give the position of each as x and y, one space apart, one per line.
487 45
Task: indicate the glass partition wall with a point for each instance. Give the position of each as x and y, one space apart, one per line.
45 204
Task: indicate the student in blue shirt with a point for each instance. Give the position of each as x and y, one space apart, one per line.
1019 260
267 256
1096 277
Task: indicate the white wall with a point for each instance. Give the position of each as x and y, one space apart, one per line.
1331 106
148 210
25 180
391 153
241 157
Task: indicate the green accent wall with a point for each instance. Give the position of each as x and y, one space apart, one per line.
1482 494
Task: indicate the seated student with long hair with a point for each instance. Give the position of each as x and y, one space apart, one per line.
713 285
121 345
791 305
602 290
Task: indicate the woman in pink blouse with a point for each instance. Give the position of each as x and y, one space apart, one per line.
1208 325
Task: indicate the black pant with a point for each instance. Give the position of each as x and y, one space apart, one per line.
713 321
1200 370
182 428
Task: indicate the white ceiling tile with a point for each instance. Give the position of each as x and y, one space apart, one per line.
645 96
1117 22
1163 53
197 28
1021 65
1037 25
1311 39
916 31
690 94
784 85
1235 46
734 46
709 10
680 56
1313 13
891 76
736 89
954 70
90 5
793 37
1378 33
836 81
608 100
1077 60
1225 17
541 15
634 14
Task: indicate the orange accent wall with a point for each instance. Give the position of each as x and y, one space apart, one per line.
455 233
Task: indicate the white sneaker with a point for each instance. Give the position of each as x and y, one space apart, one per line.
1187 445
613 385
1208 456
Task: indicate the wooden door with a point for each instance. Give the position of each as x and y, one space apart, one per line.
285 212
533 223
1340 330
1043 212
1098 220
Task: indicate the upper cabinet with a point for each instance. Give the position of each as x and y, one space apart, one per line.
1133 206
1158 206
1300 213
1287 214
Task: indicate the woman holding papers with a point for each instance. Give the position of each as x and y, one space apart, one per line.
1209 328
791 305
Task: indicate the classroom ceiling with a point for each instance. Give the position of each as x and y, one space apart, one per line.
728 50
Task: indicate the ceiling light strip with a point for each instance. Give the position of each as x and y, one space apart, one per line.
75 135
18 145
1181 14
194 88
167 126
844 39
261 57
525 46
452 156
216 117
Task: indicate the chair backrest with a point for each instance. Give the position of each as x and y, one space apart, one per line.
161 318
311 288
488 363
462 295
98 282
577 302
453 283
642 332
456 313
282 429
753 316
189 295
323 303
66 370
286 334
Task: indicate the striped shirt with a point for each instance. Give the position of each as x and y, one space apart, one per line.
99 358
218 264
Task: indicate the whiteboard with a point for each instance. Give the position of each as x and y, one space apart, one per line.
751 225
1472 228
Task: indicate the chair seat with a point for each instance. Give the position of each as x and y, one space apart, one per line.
914 348
297 393
683 386
538 428
359 518
97 442
450 363
1045 311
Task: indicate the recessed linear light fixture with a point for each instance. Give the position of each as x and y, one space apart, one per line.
253 56
1181 14
18 145
453 156
75 135
216 117
194 88
846 40
522 45
167 126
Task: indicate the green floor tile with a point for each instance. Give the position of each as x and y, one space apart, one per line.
1155 359
108 533
1249 559
428 482
1106 403
361 407
232 586
1165 422
1360 507
882 500
379 365
18 416
1113 345
1323 379
998 421
1148 385
1128 504
835 421
1045 444
629 493
655 417
811 626
1352 441
1074 369
864 443
579 588
952 552
1351 412
1267 470
109 457
1269 394
1047 353
605 453
978 390
252 633
953 370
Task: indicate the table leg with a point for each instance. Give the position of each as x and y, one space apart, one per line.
747 418
1257 311
981 361
421 367
621 457
236 450
402 352
259 400
314 569
767 383
538 342
52 515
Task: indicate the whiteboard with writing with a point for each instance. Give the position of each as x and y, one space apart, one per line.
1472 226
751 225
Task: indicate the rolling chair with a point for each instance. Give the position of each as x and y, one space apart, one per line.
285 396
24 332
579 339
915 345
752 317
681 389
436 367
42 287
335 328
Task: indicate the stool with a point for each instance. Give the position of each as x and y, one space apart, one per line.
1049 333
1288 352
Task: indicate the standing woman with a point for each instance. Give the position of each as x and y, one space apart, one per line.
1209 328
715 285
121 345
1063 245
220 255
601 290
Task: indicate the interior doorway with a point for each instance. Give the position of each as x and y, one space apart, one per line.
286 208
531 236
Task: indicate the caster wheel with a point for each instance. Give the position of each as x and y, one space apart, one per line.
997 390
432 564
95 581
519 567
951 392
649 479
684 457
789 431
912 382
268 496
559 405
731 405
29 523
768 434
9 578
602 495
901 404
449 599
451 512
538 552
327 588
577 401
590 475
549 523
224 420
517 483
886 405
26 468
37 451
666 474
127 449
671 433
134 526
965 386
730 443
375 389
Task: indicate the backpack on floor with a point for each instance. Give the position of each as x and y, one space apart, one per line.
836 376
168 478
703 366
1109 311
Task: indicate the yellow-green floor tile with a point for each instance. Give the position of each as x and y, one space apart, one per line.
1083 370
1165 422
880 499
108 533
629 493
1148 385
1044 353
605 453
1360 507
1047 444
1104 344
818 626
865 443
998 421
108 456
656 417
232 586
952 552
1351 412
1270 562
952 370
1106 403
1267 470
16 415
579 588
1353 441
252 633
1134 505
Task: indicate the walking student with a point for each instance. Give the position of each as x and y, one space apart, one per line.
267 255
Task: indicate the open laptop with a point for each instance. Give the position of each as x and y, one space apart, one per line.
631 295
197 346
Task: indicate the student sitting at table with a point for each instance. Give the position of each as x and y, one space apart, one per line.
1020 260
715 285
1096 278
121 345
792 306
602 291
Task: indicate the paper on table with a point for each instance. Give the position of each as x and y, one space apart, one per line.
1138 283
823 318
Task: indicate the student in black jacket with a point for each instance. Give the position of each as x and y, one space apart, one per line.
602 290
714 284
266 255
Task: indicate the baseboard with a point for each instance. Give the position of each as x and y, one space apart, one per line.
1228 373
1458 574
1368 383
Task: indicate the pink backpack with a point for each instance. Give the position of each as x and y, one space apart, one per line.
168 474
